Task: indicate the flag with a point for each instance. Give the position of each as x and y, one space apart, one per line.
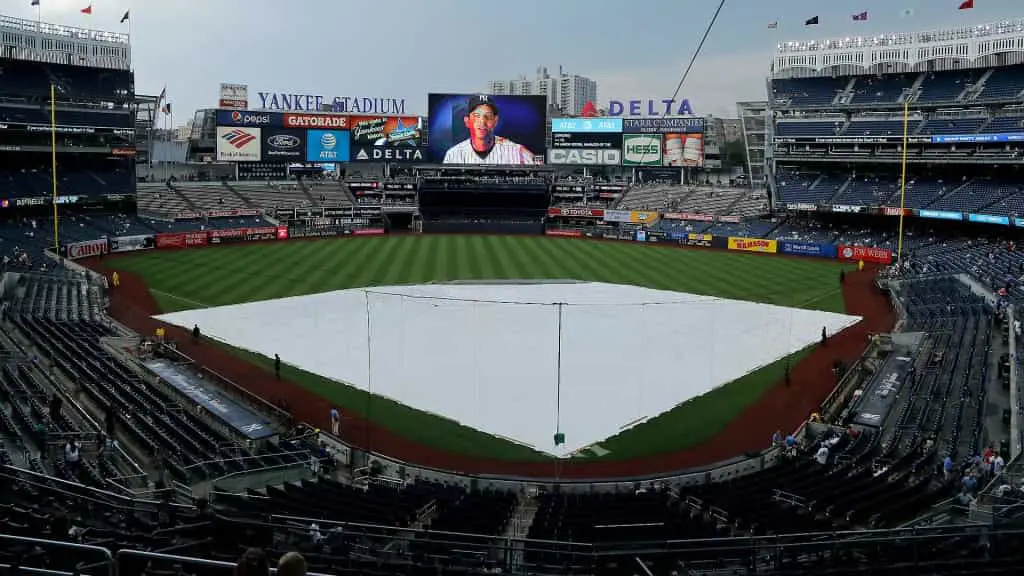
966 5
907 12
773 25
166 109
125 17
35 2
860 17
811 21
87 9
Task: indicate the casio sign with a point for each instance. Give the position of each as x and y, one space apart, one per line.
283 141
592 157
249 119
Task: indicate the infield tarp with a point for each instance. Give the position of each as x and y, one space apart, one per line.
247 422
880 397
801 248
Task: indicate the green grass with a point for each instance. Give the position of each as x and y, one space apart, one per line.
186 279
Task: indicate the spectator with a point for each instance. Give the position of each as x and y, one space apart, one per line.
253 563
335 420
822 455
947 467
292 564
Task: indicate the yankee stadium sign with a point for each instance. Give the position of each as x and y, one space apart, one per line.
293 102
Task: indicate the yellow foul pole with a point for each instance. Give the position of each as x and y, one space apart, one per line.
53 158
903 178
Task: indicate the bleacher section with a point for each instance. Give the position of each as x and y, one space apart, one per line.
60 316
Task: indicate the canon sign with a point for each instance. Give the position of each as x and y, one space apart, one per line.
87 249
591 157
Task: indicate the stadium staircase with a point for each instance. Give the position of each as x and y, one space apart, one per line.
846 95
914 91
952 192
247 202
192 206
972 91
349 194
306 192
840 190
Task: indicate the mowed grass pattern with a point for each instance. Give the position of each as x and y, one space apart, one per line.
185 279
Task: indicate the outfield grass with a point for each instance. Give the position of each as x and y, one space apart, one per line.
186 279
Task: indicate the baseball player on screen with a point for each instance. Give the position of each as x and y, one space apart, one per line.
483 146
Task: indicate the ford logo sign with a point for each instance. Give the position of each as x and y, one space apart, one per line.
283 141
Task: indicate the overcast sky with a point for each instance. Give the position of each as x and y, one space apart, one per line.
407 48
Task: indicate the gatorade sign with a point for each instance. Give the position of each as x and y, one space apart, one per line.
641 150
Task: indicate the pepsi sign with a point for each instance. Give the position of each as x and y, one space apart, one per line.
247 118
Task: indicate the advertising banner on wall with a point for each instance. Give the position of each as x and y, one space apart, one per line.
801 248
284 145
641 150
386 138
248 118
865 253
585 157
753 245
327 146
672 150
181 240
675 125
486 129
630 217
243 234
576 212
586 125
132 243
581 140
87 249
238 144
233 96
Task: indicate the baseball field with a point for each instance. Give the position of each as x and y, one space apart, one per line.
185 279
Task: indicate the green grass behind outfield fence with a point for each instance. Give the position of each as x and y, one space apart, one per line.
184 279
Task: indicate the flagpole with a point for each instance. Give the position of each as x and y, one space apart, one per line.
903 179
53 158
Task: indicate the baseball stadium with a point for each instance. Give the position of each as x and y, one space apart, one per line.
502 339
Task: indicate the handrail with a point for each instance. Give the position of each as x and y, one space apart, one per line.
304 453
90 548
186 559
79 487
303 464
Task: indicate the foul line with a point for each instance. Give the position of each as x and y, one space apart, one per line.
194 303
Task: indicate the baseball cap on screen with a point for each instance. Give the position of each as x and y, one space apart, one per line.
481 100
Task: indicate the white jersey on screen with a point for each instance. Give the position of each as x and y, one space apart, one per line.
504 151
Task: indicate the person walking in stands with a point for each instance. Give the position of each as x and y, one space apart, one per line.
277 366
195 332
335 420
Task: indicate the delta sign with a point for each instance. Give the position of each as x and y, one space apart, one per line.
636 108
